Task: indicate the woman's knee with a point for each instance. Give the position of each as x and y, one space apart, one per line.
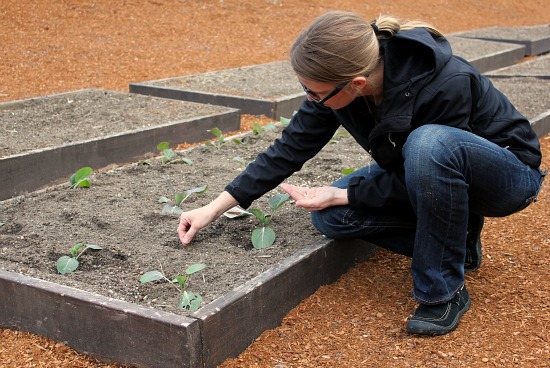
323 222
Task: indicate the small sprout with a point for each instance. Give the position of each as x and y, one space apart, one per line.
67 264
173 206
187 299
81 178
264 236
349 170
286 121
169 156
2 224
337 136
221 139
257 129
241 160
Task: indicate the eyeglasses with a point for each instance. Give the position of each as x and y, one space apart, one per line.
317 99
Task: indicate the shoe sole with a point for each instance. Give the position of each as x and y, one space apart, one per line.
431 329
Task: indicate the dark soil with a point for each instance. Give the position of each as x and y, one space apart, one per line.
58 120
121 213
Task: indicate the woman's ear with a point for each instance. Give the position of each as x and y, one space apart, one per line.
359 83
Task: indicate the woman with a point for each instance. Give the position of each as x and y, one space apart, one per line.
449 149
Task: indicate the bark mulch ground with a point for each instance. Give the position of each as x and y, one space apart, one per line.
358 321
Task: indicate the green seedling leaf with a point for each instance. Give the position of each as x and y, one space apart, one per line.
257 129
187 161
168 154
195 268
180 280
240 160
348 170
179 197
263 237
2 224
93 246
67 264
195 302
237 141
270 126
284 121
277 201
198 190
151 276
164 200
74 250
217 132
259 215
162 146
190 301
172 209
80 177
335 138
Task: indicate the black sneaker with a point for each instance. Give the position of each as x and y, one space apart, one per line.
439 319
473 243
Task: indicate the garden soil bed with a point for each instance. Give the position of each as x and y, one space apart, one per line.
54 47
121 213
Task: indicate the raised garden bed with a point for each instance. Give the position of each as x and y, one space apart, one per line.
269 89
538 67
45 139
486 55
536 39
102 308
528 94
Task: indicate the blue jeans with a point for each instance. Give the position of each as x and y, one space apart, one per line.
450 174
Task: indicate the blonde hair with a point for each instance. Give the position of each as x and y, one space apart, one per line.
339 46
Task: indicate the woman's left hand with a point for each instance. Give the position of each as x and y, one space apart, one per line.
316 198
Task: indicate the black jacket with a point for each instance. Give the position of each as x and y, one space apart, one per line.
423 84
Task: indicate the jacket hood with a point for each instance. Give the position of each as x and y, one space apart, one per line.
412 59
414 55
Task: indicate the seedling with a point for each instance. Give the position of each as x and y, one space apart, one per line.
349 170
187 299
221 139
264 236
169 156
81 178
68 264
242 161
173 206
1 224
257 129
337 136
286 121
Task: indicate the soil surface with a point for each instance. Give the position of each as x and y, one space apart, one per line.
121 212
54 47
84 115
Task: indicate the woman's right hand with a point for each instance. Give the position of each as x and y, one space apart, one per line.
192 221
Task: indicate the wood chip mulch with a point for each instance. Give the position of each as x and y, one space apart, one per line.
58 46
